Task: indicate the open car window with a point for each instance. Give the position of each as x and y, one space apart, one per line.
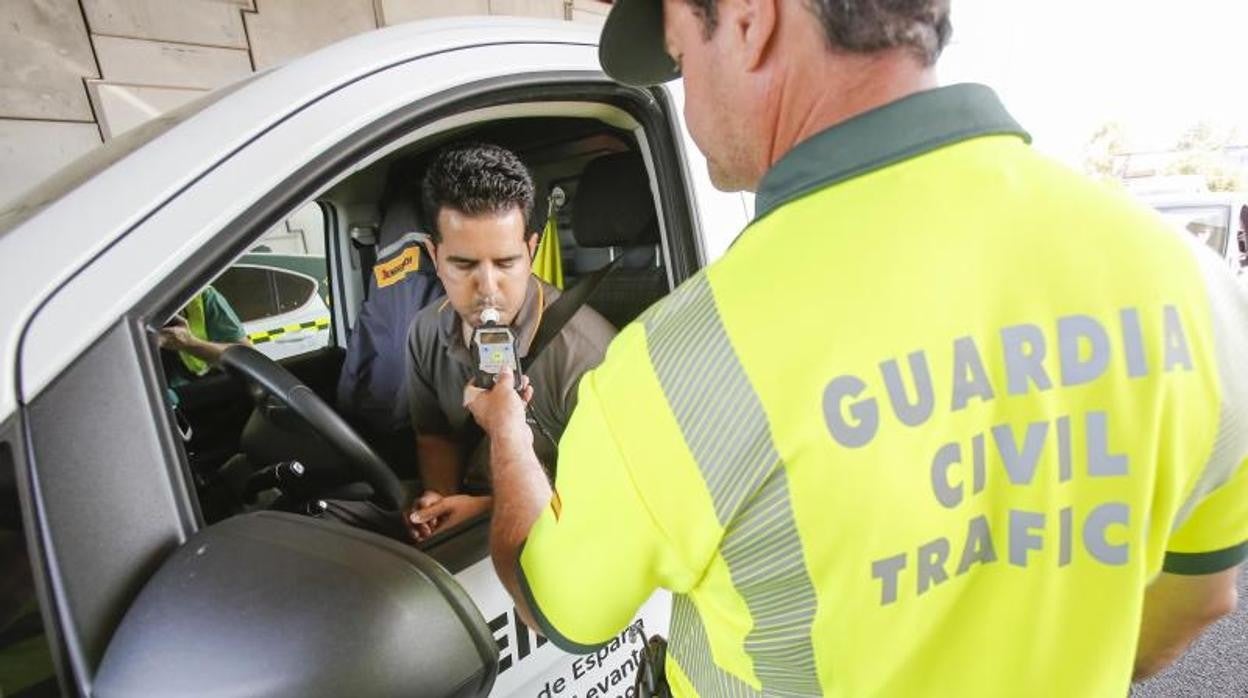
280 291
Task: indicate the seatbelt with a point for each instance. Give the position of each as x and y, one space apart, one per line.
565 306
554 318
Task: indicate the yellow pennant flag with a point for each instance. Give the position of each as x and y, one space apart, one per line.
548 262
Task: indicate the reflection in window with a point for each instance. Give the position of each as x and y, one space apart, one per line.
1209 224
293 291
256 293
250 291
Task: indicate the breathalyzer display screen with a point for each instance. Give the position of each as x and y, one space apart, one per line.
493 337
495 349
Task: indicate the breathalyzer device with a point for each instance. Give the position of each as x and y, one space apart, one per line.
495 346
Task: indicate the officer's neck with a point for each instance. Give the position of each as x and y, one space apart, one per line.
818 94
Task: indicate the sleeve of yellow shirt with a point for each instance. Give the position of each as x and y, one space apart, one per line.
1215 536
597 553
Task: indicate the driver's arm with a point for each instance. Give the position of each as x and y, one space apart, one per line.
438 457
223 327
439 462
176 336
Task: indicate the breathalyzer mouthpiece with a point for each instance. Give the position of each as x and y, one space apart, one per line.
490 316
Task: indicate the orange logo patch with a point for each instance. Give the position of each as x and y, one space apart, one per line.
395 269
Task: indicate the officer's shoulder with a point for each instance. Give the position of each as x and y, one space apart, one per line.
691 301
212 296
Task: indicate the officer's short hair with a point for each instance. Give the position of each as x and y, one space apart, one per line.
865 26
476 179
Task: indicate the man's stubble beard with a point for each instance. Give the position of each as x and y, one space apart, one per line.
728 180
730 167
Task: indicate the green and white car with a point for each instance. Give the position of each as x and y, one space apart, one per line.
282 300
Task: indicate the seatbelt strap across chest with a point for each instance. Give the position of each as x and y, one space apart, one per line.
558 313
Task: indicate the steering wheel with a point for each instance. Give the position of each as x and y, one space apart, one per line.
267 379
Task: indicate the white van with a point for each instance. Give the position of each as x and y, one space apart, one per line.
138 578
1219 219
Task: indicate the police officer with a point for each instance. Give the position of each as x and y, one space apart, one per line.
198 335
947 419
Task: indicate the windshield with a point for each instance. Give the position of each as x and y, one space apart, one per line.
1210 224
79 171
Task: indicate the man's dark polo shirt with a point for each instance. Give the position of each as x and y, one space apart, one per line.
439 366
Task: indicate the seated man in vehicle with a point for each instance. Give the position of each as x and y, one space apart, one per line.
195 338
479 203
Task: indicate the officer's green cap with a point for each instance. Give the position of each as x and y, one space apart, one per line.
631 49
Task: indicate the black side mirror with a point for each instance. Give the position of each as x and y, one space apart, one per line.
272 604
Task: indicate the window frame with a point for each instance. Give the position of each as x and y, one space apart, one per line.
660 147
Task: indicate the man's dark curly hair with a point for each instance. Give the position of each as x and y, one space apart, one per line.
865 26
476 179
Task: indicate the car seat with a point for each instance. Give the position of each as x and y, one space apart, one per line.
372 388
613 215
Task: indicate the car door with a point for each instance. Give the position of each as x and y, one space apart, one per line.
1241 243
87 366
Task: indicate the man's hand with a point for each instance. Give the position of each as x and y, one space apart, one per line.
417 526
432 512
500 408
176 335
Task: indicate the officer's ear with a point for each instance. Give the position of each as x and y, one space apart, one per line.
753 24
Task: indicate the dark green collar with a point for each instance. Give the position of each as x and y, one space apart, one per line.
889 134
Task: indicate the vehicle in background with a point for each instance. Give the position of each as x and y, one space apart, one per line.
1218 219
282 301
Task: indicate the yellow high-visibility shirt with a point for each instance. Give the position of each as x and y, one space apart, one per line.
930 427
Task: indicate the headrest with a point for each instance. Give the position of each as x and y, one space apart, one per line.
398 220
613 206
